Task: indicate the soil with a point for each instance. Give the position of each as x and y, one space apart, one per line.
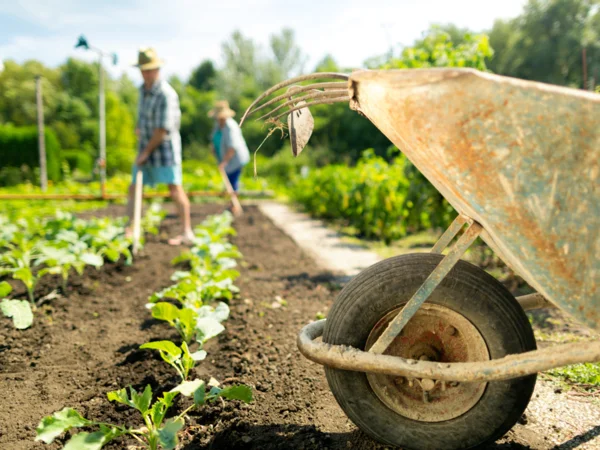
86 344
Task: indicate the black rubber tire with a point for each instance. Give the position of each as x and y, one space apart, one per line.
467 290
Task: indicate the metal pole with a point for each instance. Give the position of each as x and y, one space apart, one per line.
41 136
102 131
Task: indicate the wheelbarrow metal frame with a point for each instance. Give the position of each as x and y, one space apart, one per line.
374 361
519 161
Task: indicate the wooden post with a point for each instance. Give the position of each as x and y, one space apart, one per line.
137 211
584 61
237 206
41 136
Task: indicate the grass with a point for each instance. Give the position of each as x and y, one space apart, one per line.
586 375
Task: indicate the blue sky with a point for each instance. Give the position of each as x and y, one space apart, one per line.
185 32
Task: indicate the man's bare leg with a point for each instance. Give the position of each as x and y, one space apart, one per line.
183 206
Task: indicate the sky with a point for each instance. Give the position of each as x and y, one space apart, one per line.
185 32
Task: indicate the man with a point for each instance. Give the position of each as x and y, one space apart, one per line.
228 144
159 142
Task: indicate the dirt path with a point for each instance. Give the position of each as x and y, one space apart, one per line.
87 344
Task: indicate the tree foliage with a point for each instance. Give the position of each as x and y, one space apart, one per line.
544 43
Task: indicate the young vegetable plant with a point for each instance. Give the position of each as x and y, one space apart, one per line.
156 432
183 320
60 261
18 261
179 358
18 310
203 323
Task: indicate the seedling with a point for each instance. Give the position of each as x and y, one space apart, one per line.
18 310
183 320
202 324
60 261
156 432
179 358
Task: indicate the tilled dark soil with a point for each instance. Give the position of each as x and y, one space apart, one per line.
86 344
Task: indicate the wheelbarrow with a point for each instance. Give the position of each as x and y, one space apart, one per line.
426 351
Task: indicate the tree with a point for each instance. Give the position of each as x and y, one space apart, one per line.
545 43
327 64
203 77
80 79
120 135
437 49
17 92
288 56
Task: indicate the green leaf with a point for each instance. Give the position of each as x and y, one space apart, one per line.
199 395
160 407
188 388
239 392
112 254
164 346
158 412
220 313
183 257
167 398
167 435
142 401
208 327
88 441
119 396
19 310
187 319
200 355
5 289
53 426
165 311
24 274
92 259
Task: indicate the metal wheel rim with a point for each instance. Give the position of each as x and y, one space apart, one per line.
435 333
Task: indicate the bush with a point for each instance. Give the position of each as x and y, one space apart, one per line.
11 176
119 160
380 200
19 147
78 160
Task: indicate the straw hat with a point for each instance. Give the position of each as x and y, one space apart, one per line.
148 59
221 110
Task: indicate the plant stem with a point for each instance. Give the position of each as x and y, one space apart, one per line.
180 416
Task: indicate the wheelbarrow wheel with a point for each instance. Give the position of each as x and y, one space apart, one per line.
469 317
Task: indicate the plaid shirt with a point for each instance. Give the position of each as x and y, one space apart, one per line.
159 108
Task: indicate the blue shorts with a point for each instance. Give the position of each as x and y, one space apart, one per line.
234 179
159 175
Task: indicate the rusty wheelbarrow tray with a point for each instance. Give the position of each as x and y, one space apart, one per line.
520 162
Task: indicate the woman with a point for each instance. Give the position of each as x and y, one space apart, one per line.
228 144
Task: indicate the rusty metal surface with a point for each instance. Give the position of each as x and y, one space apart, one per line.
449 234
511 366
521 158
300 127
433 280
534 301
435 333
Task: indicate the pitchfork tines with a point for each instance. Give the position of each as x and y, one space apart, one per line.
316 94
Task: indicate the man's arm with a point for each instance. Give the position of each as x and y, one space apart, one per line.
158 136
229 154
